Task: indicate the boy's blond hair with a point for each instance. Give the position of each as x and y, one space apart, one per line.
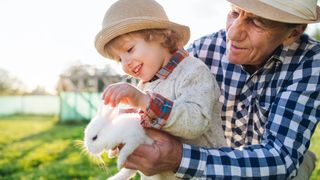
168 39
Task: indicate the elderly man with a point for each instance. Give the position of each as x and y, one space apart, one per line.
269 75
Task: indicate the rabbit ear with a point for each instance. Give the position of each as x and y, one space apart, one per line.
108 111
100 110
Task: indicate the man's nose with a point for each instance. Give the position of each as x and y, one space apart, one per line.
237 30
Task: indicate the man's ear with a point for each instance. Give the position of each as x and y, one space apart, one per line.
294 34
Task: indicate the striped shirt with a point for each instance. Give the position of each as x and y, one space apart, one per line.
268 116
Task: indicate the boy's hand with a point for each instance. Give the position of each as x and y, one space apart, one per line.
127 94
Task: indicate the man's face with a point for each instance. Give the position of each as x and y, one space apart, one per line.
250 41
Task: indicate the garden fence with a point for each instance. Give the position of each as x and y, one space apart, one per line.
69 106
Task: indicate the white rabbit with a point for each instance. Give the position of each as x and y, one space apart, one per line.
108 129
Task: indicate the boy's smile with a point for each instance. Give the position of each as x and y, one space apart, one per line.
137 69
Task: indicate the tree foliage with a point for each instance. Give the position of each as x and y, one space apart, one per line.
10 85
87 78
316 34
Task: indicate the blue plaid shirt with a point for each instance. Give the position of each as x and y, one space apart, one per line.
268 116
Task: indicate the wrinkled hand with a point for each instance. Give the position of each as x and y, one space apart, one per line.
164 154
125 93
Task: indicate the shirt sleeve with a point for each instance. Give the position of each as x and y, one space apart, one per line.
291 122
157 112
190 113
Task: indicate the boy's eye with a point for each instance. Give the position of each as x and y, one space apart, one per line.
130 49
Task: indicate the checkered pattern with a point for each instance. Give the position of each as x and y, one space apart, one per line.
268 117
176 58
160 107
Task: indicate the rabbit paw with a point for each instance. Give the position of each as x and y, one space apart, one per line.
121 162
113 153
123 174
114 178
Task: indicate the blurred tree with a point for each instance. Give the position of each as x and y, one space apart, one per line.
10 85
4 81
39 90
316 34
87 78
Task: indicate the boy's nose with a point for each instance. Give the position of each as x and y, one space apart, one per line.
125 61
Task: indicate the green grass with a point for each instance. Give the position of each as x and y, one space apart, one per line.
315 147
37 147
33 147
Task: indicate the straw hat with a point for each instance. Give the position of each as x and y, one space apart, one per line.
288 11
126 16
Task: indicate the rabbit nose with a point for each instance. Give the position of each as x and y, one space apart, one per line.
95 137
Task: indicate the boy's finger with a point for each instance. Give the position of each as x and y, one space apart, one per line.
108 94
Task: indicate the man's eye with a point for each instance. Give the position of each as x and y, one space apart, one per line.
257 23
234 14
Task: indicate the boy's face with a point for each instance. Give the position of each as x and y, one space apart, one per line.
139 58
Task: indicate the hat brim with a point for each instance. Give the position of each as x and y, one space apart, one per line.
134 24
266 11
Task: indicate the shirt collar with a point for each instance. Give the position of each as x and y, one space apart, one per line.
175 59
280 53
283 52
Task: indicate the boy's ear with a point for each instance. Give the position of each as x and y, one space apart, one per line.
294 34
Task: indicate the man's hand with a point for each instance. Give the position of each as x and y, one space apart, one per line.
164 154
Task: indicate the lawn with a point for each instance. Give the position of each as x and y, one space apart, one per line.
37 147
33 147
315 147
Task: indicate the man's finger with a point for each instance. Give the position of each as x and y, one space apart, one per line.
157 135
143 150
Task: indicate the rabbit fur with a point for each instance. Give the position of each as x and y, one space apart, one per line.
108 128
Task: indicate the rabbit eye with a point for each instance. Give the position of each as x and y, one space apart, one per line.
95 137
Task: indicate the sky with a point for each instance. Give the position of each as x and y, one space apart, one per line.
39 39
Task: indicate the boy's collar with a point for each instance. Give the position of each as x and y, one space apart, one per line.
175 59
